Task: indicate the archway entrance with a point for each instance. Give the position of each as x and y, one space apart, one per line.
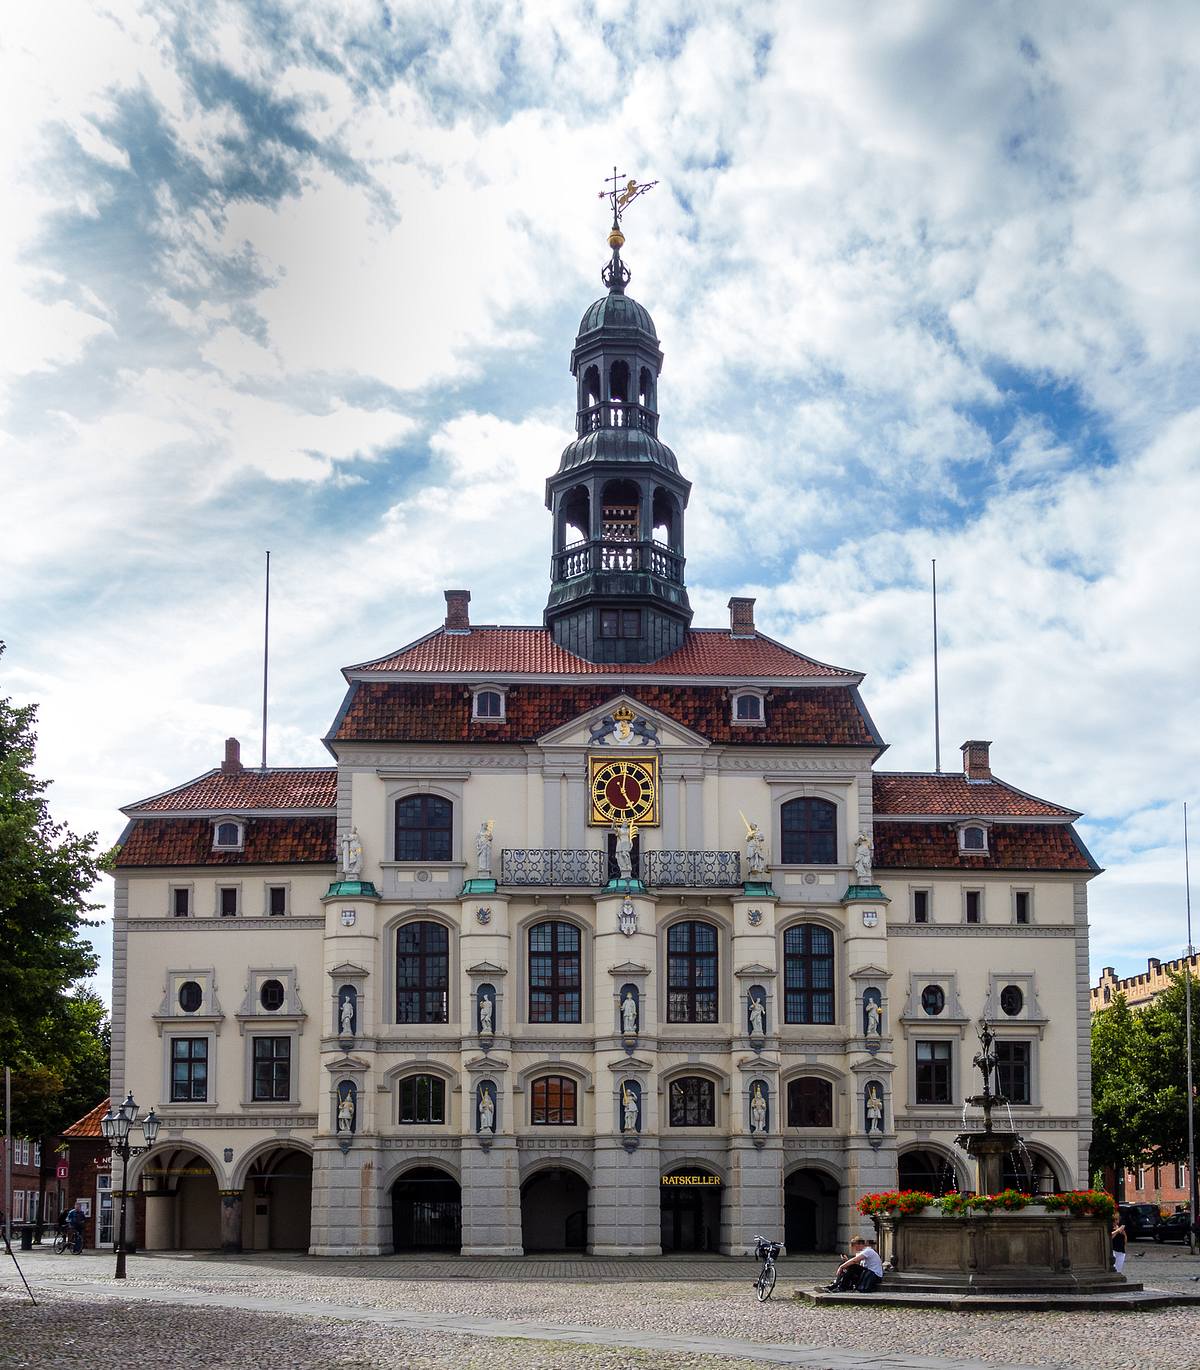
426 1211
183 1206
690 1203
277 1202
927 1170
810 1204
554 1206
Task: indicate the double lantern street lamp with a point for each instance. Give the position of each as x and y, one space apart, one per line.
115 1126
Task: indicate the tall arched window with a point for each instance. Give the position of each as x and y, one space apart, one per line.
422 973
809 1102
554 973
423 828
692 1102
808 974
808 831
692 973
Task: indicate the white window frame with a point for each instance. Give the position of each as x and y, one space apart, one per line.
189 889
927 891
746 693
189 1034
1028 893
236 886
979 890
286 887
963 829
489 689
238 823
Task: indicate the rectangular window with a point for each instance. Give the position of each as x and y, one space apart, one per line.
422 1099
37 1154
1141 1178
553 1102
22 1150
920 906
1180 1180
692 1102
189 1070
277 900
272 1069
181 901
228 896
974 906
620 622
19 1205
33 1205
1021 903
933 1072
1013 1062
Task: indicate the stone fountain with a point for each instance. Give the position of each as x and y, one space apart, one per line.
989 1147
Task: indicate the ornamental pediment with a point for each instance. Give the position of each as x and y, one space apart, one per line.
622 725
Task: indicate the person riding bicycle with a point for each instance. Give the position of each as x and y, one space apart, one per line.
74 1221
862 1270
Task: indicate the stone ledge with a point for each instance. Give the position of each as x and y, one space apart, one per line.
1133 1298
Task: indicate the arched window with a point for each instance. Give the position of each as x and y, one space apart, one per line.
692 1102
422 1099
591 387
972 838
618 381
489 704
423 828
809 832
422 973
927 1171
554 973
646 388
809 1102
808 974
553 1102
228 835
692 973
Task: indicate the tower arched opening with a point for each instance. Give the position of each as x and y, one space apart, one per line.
620 525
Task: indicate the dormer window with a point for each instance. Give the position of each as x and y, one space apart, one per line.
487 704
229 835
748 708
972 837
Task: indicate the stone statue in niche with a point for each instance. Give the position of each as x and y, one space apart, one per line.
487 1111
872 1014
486 1013
352 855
347 1013
345 1108
483 849
874 1111
626 832
758 1016
758 1110
629 1014
862 859
756 850
629 1109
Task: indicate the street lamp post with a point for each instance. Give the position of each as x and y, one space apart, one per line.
115 1126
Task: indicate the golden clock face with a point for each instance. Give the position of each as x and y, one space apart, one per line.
624 790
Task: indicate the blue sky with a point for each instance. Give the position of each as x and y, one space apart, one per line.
306 277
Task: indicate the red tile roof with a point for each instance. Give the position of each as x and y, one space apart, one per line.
1013 846
189 842
953 795
218 792
394 711
89 1124
533 651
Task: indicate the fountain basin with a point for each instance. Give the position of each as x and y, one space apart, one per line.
1031 1250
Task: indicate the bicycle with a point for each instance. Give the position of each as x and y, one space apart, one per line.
766 1251
62 1239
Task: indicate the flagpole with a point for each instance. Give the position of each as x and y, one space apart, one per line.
266 653
937 711
1187 1019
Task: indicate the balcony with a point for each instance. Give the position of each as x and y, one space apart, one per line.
593 869
616 414
609 555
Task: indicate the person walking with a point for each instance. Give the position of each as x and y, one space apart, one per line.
862 1270
1118 1244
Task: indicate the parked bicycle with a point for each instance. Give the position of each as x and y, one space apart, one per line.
766 1251
62 1239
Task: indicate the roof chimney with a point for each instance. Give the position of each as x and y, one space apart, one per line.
233 757
976 765
458 619
741 617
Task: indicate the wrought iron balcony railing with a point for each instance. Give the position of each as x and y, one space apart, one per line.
550 866
593 869
605 554
695 869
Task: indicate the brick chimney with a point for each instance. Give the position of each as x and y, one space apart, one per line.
976 765
741 617
458 619
233 757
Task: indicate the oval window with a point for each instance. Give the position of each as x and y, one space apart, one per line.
1012 1000
271 996
191 996
933 999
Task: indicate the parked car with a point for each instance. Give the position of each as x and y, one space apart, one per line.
1140 1220
1173 1228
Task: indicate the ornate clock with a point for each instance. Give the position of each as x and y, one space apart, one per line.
624 790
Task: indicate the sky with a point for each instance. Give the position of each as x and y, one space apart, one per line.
306 276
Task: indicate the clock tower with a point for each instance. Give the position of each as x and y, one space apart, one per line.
617 590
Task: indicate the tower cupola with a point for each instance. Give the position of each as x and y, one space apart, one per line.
617 589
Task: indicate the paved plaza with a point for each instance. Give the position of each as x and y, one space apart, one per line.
208 1310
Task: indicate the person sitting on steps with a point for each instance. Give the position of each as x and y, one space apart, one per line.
862 1270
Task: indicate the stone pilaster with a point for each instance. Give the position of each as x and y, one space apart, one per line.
626 1209
231 1220
753 1200
491 1199
351 1214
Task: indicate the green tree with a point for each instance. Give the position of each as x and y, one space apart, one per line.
1165 1068
53 1032
1120 1097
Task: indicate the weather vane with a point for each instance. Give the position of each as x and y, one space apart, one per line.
621 194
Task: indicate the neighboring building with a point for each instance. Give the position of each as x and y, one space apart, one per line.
1165 1185
27 1181
430 997
1140 990
88 1182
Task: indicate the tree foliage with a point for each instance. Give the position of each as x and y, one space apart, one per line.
53 1032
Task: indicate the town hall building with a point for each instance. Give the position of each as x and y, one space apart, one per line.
607 934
